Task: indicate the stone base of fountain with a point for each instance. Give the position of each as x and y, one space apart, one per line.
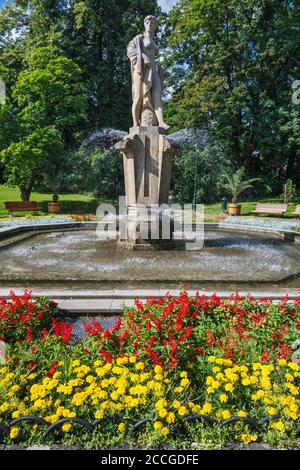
147 157
146 228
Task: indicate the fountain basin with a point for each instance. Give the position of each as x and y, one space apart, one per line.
229 258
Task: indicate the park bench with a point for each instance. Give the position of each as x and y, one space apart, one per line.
297 211
270 209
21 206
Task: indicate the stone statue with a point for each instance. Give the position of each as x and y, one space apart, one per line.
146 79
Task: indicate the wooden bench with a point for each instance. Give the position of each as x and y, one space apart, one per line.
297 211
21 206
270 209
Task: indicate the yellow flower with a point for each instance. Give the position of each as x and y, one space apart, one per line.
216 369
176 404
158 369
207 407
162 413
247 438
139 366
242 414
182 411
246 381
279 425
184 382
157 425
223 398
165 431
229 388
211 358
282 362
183 375
178 389
66 427
14 432
226 414
122 427
170 418
271 410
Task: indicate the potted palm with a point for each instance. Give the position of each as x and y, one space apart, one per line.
54 206
236 185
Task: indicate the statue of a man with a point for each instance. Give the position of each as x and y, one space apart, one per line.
146 79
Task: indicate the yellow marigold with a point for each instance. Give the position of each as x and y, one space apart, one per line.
229 388
282 362
294 366
162 413
14 432
158 369
279 426
216 369
271 410
76 363
66 427
184 382
121 427
183 374
211 358
247 438
226 414
289 377
223 398
182 411
99 414
176 404
246 381
157 425
207 407
140 366
210 390
178 389
165 431
132 359
241 414
170 418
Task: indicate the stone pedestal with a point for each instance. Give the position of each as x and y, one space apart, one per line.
147 157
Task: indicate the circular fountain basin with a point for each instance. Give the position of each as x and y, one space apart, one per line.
77 256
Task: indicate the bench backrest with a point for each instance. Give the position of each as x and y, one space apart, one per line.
272 207
21 205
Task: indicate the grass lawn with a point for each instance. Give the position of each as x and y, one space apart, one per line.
71 203
87 203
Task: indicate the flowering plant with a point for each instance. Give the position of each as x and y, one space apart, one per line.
23 318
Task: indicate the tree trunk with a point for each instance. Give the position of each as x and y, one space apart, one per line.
25 193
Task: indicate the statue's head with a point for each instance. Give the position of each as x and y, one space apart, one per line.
150 23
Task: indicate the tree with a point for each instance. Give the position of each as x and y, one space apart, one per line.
236 184
48 102
233 66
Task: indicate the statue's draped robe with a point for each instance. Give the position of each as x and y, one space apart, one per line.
142 77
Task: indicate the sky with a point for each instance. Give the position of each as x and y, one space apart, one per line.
166 4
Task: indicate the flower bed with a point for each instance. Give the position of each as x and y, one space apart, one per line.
198 370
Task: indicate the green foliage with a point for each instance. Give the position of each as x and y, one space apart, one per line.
99 171
236 184
33 158
197 174
289 192
233 66
47 104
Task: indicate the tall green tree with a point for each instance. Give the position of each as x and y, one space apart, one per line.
233 67
48 103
